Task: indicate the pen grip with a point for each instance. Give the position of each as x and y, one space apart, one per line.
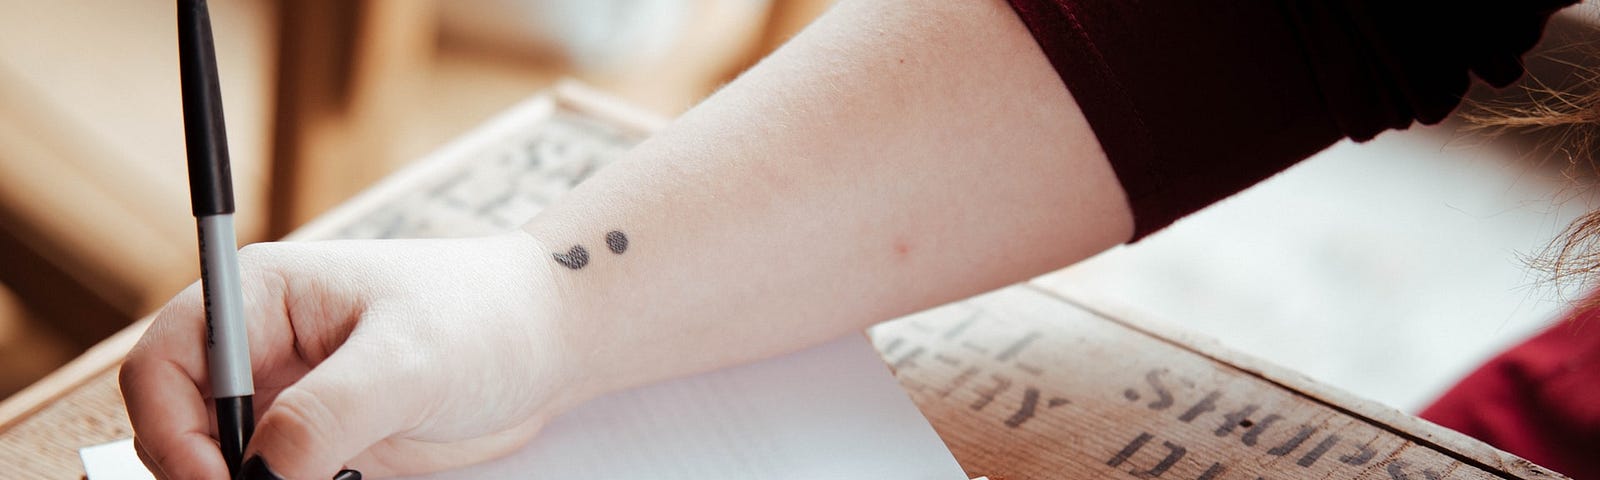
210 178
227 341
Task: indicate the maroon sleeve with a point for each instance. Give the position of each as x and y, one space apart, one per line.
1194 100
1539 400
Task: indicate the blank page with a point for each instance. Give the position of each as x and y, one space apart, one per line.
831 412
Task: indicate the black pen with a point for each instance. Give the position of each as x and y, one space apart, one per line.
211 193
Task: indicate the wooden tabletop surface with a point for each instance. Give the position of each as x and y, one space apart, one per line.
1024 382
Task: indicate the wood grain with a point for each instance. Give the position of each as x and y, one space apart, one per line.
1024 383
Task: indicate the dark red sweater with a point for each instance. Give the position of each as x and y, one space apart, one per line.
1539 400
1194 100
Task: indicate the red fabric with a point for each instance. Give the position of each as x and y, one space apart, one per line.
1540 400
1195 100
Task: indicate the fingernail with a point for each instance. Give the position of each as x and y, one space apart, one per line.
256 469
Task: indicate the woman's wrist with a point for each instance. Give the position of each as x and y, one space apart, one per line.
563 320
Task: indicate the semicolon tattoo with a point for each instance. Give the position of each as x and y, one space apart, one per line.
577 257
617 241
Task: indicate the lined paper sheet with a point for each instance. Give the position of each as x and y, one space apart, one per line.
831 412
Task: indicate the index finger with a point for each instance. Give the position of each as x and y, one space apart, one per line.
163 397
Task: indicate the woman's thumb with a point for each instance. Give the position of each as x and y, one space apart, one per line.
343 406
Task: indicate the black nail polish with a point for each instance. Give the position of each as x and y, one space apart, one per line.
256 469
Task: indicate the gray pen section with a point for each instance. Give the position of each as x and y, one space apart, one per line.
227 345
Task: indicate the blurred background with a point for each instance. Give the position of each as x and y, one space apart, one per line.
1388 269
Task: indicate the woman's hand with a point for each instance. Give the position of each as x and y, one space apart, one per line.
390 357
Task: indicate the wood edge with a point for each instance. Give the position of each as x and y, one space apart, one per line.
580 97
427 168
99 358
566 94
1449 442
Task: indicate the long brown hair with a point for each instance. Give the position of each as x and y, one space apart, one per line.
1563 121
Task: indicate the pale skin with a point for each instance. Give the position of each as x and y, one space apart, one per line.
892 157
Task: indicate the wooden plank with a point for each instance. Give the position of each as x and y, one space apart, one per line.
28 350
98 360
45 444
1464 448
1020 383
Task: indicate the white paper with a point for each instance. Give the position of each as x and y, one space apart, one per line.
113 461
831 412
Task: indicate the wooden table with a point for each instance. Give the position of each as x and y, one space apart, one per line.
1020 383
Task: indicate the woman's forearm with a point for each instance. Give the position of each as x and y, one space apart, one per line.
892 157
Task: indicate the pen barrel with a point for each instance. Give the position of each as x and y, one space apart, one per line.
227 344
210 178
235 426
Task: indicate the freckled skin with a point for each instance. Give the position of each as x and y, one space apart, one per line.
617 242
